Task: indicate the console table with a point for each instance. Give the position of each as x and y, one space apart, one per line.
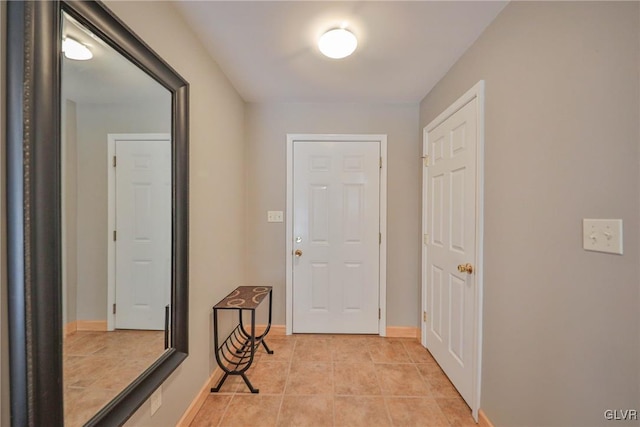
235 354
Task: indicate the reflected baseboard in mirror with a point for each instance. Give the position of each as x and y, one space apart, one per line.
99 365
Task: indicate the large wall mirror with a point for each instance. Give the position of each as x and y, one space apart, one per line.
97 185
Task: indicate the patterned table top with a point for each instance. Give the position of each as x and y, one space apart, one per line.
247 297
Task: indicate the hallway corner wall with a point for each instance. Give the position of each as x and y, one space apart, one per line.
267 127
561 324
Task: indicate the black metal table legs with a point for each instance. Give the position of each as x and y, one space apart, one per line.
236 353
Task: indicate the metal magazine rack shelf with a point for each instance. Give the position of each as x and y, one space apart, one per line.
236 353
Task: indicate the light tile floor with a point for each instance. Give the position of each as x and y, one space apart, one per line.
98 365
339 380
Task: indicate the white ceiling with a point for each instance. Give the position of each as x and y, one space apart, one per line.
268 48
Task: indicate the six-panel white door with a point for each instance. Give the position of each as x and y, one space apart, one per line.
336 226
451 227
143 224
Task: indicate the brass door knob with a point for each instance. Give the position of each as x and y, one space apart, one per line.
298 252
465 268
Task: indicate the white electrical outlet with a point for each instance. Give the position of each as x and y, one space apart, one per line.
602 235
274 216
156 400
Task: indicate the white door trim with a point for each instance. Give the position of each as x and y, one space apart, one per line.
111 215
477 91
382 139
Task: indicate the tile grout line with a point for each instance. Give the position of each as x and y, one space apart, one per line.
431 396
226 409
449 418
286 380
333 381
384 399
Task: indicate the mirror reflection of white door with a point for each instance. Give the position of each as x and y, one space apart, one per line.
142 240
336 226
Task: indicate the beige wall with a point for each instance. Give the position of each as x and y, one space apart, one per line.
69 141
267 128
562 108
216 199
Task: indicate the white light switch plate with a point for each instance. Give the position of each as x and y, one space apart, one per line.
274 216
156 400
602 235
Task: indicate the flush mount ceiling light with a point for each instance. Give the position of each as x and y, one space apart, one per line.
73 49
337 43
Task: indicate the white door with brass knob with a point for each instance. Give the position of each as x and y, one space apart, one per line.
450 273
335 246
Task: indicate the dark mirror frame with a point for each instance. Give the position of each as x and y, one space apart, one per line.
34 209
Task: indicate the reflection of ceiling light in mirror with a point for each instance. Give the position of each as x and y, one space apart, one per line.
337 43
75 50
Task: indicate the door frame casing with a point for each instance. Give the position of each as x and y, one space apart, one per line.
476 92
382 279
111 215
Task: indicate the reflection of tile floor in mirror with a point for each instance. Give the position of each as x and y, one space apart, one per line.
98 365
334 380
